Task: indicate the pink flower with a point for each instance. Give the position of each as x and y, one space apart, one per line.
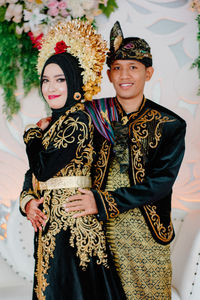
62 5
52 4
64 13
53 11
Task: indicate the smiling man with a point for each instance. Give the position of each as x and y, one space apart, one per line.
141 147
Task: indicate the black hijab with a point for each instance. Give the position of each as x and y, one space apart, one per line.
72 71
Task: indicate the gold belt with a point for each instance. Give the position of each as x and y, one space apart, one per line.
65 182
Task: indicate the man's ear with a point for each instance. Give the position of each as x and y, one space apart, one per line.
149 73
109 75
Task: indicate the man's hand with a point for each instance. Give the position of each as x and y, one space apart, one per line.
34 214
84 203
44 123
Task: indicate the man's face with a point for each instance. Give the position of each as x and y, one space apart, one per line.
128 78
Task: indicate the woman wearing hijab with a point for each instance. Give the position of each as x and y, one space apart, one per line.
72 259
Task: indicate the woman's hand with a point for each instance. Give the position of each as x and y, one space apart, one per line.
34 214
44 123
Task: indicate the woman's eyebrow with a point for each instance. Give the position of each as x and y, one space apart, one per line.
58 75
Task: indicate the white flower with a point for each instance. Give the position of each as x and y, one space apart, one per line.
89 4
11 1
9 12
17 13
38 30
34 18
14 10
19 30
26 27
76 9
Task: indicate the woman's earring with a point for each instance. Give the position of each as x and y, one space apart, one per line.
77 96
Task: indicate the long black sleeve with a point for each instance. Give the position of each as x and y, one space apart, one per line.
50 153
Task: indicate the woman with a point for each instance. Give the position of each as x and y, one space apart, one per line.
72 260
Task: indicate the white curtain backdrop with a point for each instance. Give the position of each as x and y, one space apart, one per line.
170 28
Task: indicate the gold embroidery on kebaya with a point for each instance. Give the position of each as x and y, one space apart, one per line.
100 166
25 193
52 132
83 152
41 281
86 233
25 197
65 136
163 233
31 134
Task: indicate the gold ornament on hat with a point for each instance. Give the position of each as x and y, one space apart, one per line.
82 42
117 42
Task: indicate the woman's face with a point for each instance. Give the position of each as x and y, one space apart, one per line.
54 86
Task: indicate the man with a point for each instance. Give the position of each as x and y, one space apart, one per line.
140 147
136 168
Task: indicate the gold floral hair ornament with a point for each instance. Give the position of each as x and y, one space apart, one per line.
79 39
127 48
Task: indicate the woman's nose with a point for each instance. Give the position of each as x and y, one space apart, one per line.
52 87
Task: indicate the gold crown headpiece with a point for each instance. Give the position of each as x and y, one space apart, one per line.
79 39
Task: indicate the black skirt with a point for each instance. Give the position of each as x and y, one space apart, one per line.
68 281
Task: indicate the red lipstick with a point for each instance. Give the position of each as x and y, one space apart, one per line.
53 96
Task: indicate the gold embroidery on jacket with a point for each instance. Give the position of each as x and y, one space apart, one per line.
163 233
100 166
111 207
146 133
31 134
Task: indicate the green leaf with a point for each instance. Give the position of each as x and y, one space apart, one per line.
2 13
109 8
28 63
